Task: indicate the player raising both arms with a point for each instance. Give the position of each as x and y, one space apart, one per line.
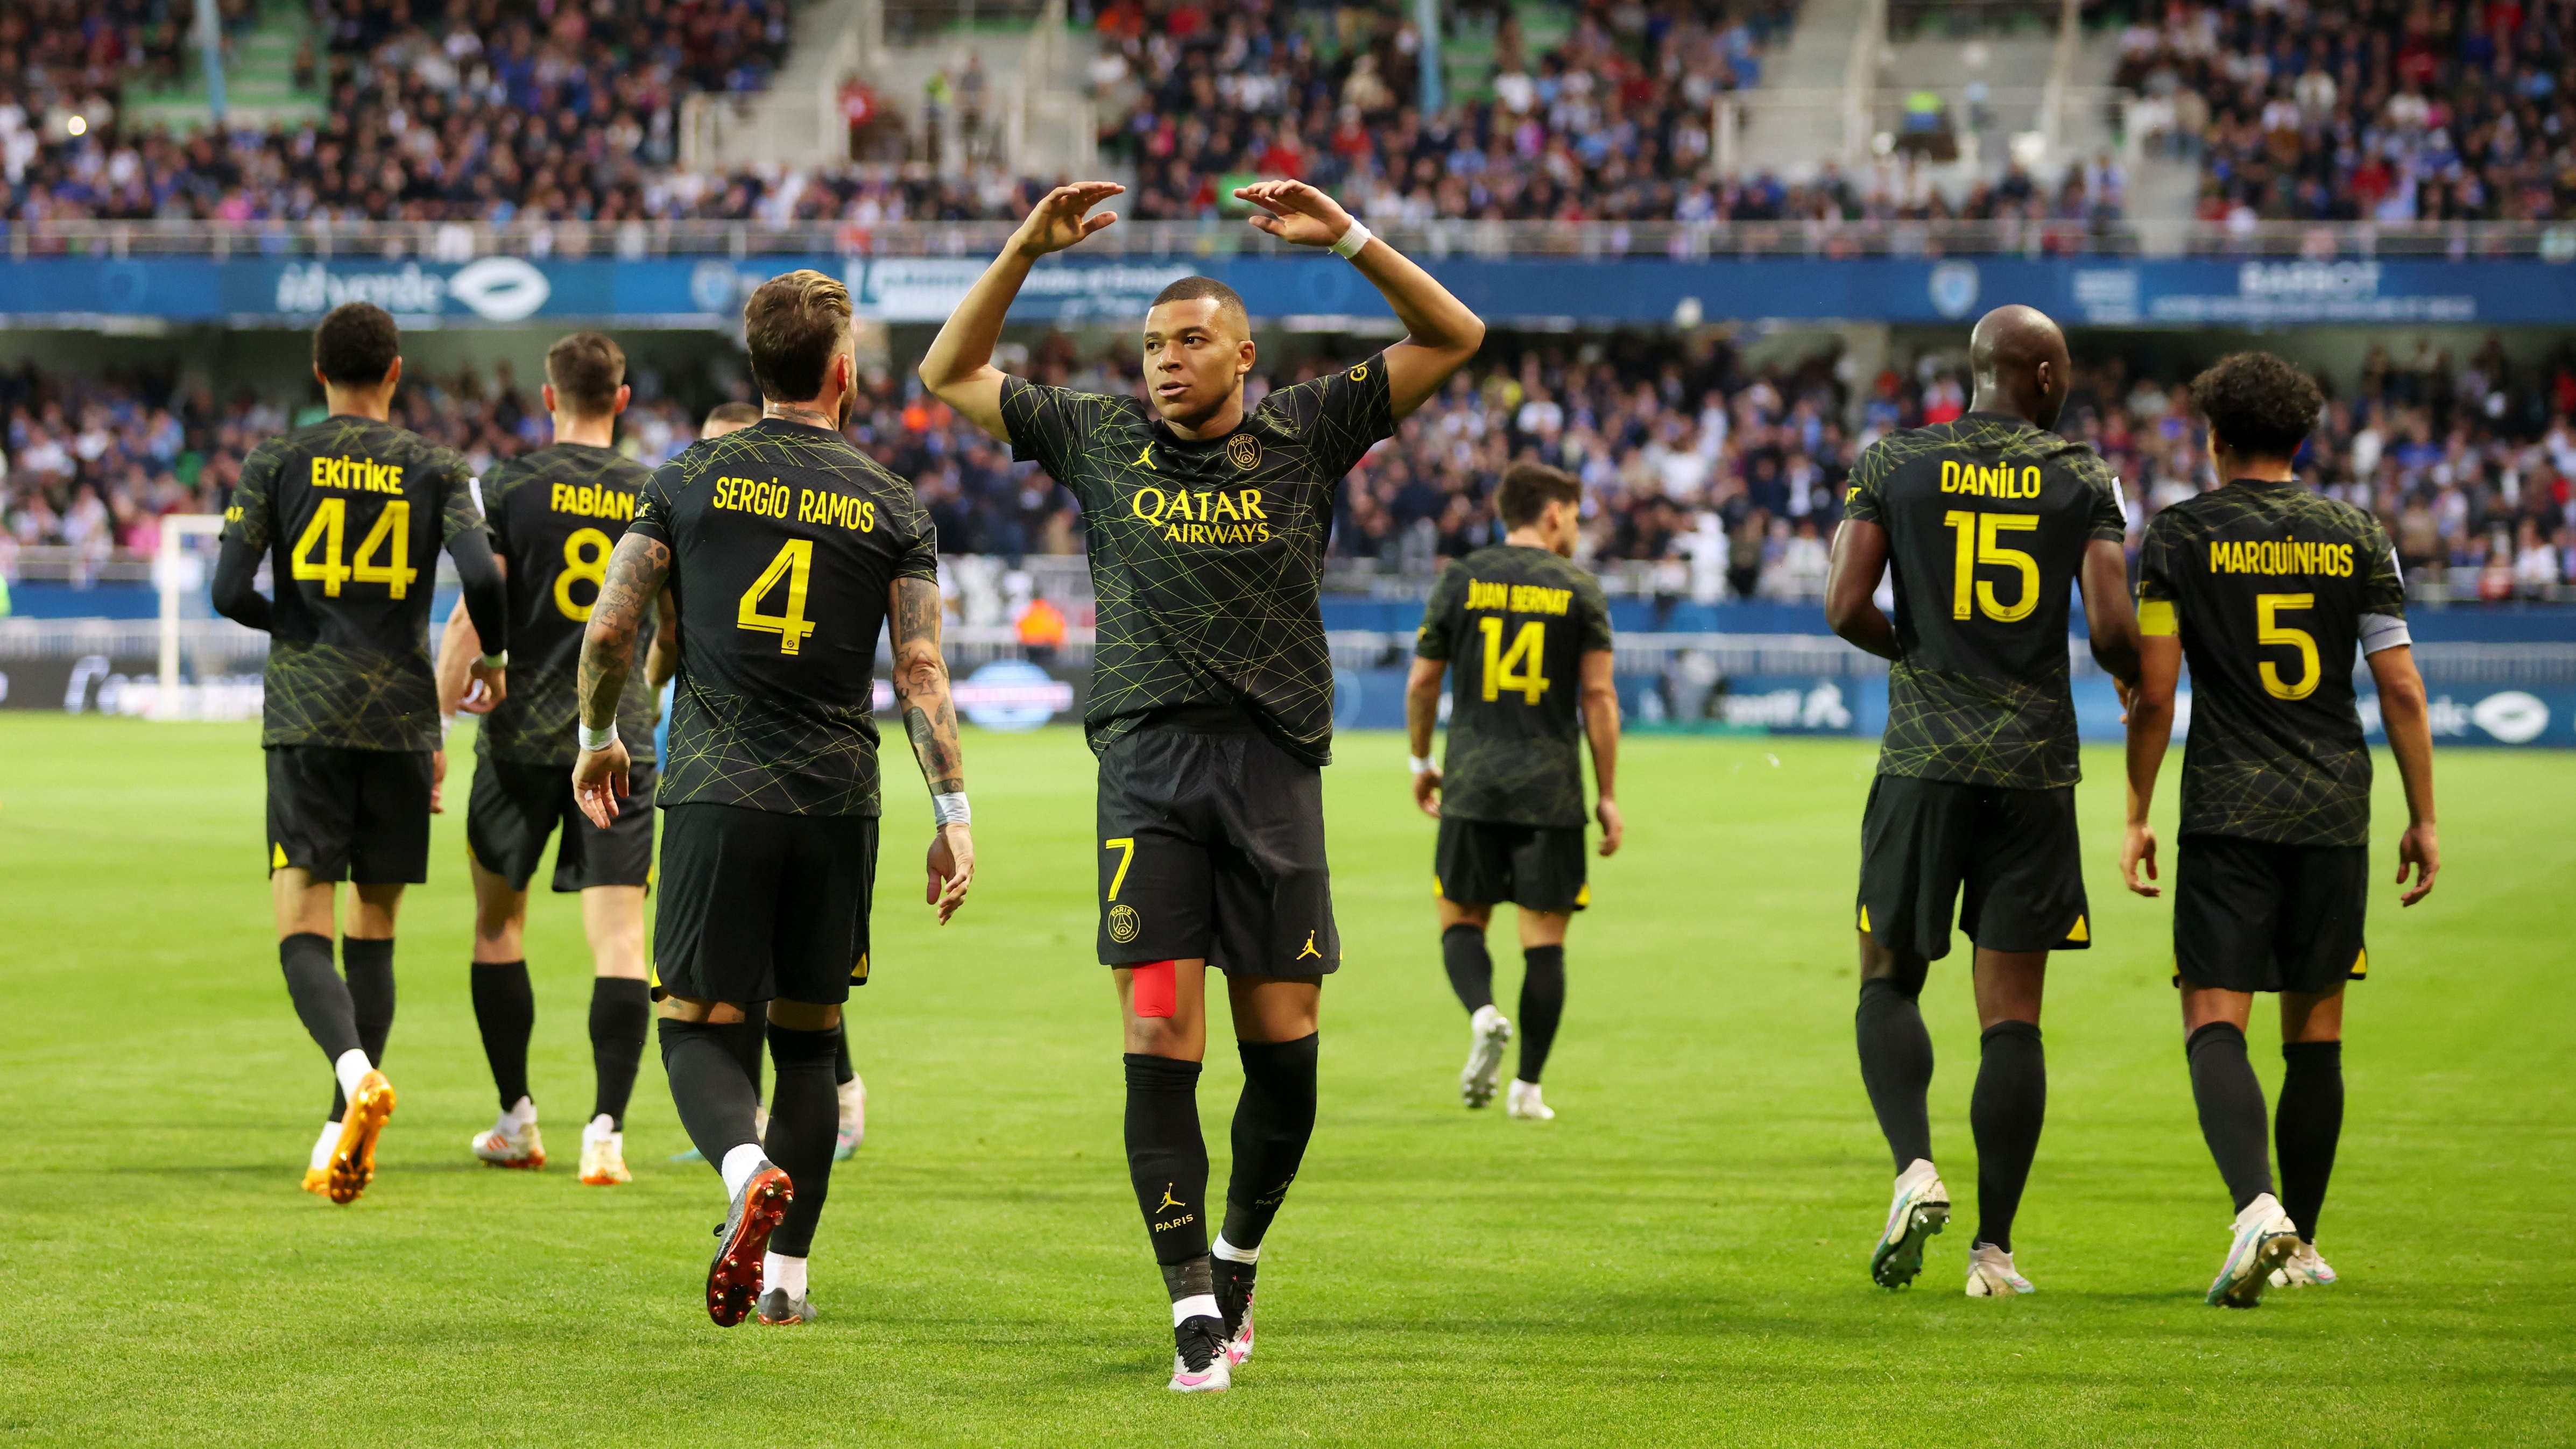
786 551
350 513
1211 702
2268 589
555 515
1987 521
1529 633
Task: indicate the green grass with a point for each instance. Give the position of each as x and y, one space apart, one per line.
1680 1257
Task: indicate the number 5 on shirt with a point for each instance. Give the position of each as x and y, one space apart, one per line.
795 564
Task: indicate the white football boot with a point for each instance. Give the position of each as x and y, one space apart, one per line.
1921 1208
1991 1273
513 1140
1487 1034
2261 1239
2304 1269
1524 1103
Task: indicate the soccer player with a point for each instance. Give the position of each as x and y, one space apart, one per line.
1988 520
555 515
786 551
721 419
1530 635
1211 705
350 513
2267 589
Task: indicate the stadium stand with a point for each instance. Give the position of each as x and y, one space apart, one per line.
1710 478
2372 111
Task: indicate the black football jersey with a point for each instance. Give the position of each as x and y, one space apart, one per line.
2267 584
555 515
784 542
352 513
1987 521
1207 556
1514 623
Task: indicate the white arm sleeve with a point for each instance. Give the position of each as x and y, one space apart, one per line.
2383 631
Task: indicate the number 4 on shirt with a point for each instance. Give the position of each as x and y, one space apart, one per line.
391 536
795 564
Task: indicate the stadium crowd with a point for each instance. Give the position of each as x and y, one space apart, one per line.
1718 478
2377 110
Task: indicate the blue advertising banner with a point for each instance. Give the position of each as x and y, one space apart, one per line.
256 290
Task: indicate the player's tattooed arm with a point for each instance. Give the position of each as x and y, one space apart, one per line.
662 657
930 719
636 572
921 685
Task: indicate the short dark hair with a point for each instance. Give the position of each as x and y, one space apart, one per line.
1190 289
1528 488
740 414
2259 405
793 326
357 344
586 369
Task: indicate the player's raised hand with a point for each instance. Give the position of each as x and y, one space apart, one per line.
2417 848
1296 213
951 868
2138 847
1614 827
1426 791
599 782
1058 222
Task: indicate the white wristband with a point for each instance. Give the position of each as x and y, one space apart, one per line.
496 661
1421 764
446 726
1351 241
597 739
951 810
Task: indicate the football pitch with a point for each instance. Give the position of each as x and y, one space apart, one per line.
1680 1257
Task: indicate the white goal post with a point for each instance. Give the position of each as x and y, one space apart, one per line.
172 576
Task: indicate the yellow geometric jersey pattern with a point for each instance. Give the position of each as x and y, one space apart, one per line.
1207 556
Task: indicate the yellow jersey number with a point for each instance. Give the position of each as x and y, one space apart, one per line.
317 556
2269 630
585 557
795 566
1527 655
1981 542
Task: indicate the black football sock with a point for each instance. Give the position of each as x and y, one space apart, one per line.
2231 1109
1167 1158
505 1011
745 1041
1273 1121
1542 1006
2005 1112
2307 1128
1896 1067
1471 969
842 1072
715 1097
321 1000
804 1117
370 968
620 1009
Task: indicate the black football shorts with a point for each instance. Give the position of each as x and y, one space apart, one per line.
2012 854
354 815
2250 915
1212 847
754 906
515 806
1486 862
